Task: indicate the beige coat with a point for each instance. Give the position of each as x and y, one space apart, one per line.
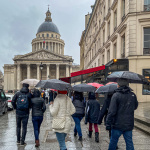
62 107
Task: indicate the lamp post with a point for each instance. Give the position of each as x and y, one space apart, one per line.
41 67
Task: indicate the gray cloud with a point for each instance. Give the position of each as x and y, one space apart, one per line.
21 19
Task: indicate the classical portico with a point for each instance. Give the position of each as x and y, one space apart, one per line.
48 49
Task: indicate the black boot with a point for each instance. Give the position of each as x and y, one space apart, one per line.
97 137
90 134
75 134
80 138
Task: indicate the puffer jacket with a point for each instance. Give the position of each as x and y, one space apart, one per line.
62 107
38 106
121 109
23 91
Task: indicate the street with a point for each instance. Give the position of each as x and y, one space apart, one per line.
48 139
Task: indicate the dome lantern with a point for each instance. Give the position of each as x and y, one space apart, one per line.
48 15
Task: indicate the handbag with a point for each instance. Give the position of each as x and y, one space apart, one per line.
59 123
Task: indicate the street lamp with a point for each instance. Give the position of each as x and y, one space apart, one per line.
41 67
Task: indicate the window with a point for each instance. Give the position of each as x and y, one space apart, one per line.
115 19
115 51
46 46
123 7
146 5
146 49
108 29
56 36
108 55
103 36
47 35
103 60
98 62
39 35
104 12
123 46
42 35
52 35
146 88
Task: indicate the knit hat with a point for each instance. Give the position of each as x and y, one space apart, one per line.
122 82
25 85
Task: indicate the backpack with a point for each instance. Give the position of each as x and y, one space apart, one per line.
22 102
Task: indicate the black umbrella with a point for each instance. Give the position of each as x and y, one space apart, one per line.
84 88
54 84
130 76
110 88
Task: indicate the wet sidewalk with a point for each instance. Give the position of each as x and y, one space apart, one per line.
48 139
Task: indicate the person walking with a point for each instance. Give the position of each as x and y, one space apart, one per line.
51 97
46 96
38 109
120 117
79 104
43 94
62 108
22 102
92 113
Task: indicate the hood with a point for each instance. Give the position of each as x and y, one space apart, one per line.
124 89
78 95
24 90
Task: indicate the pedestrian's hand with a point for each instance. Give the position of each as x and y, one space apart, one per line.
108 128
51 103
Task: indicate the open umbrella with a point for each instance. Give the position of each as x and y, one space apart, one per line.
54 84
84 88
97 85
130 76
110 88
31 82
111 83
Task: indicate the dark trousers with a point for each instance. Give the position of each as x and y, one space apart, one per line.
37 120
24 121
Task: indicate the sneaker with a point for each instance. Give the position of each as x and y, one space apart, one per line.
18 142
23 144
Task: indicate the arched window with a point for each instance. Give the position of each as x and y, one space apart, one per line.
52 35
47 35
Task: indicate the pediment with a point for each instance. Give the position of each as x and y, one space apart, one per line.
42 55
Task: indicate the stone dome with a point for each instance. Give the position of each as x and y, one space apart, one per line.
48 26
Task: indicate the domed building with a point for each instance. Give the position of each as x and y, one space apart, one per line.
47 51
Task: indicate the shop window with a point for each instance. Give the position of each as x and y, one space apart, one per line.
123 46
146 49
146 88
146 5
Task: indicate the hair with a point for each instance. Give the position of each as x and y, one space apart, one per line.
91 95
122 82
36 93
78 95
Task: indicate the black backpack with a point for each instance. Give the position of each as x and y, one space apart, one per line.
22 102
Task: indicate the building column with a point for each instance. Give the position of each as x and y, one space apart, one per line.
38 71
42 45
15 77
119 46
39 45
55 48
28 71
63 50
49 47
67 70
59 49
70 68
57 71
52 47
48 76
18 76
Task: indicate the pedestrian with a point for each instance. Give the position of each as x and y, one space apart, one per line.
46 96
120 117
61 110
51 96
43 95
55 94
22 102
38 109
79 104
92 113
104 111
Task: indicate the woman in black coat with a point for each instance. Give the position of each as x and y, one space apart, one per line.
92 113
78 102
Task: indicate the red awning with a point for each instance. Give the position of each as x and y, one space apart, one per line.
67 79
87 71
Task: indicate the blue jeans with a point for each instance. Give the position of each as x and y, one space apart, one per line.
61 140
77 127
21 119
37 120
115 134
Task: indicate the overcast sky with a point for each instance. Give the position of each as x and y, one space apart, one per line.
20 19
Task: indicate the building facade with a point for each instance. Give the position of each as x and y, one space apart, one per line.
48 49
119 29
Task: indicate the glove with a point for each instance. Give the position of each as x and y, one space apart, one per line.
108 128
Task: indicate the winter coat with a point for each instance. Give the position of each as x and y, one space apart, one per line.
51 96
92 111
104 111
23 91
80 107
38 106
62 107
121 109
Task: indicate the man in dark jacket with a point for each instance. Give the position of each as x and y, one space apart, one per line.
22 111
121 115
